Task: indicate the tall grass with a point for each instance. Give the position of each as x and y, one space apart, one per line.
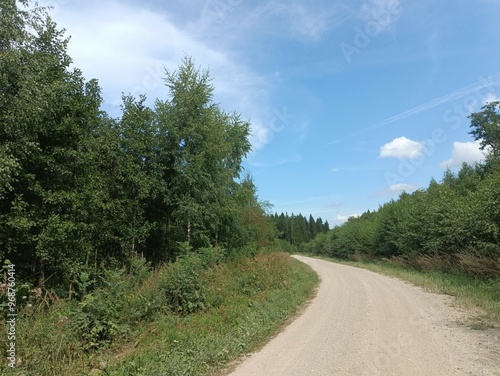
133 327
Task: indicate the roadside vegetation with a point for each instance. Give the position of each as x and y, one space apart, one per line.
190 317
445 237
134 245
479 296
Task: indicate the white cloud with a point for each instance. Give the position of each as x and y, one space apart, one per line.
468 152
402 187
402 147
396 189
335 169
339 219
128 47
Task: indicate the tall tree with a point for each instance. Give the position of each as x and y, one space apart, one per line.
486 128
47 111
205 147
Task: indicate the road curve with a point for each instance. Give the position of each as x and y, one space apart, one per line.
363 323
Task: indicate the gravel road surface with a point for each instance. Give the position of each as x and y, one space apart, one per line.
363 323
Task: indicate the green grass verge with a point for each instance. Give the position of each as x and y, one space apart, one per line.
481 297
247 301
259 296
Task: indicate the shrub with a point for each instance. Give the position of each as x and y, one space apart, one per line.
182 284
99 318
211 256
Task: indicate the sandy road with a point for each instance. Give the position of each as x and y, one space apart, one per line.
363 323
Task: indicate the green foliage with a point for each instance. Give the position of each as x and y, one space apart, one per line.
485 128
203 148
79 190
125 327
297 229
182 283
46 114
450 226
98 320
205 342
252 227
212 256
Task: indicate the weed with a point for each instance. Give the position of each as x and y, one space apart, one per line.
191 317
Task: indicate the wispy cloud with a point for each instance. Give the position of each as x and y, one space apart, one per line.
128 47
381 10
295 159
305 20
292 19
455 95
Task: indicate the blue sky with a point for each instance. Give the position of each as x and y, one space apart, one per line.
351 102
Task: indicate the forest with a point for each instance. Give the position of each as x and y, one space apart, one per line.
82 192
297 229
112 226
452 225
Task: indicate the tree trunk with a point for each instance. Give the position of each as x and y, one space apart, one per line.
41 282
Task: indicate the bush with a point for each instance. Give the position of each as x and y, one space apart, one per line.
99 318
211 257
182 284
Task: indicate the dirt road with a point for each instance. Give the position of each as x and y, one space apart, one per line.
363 323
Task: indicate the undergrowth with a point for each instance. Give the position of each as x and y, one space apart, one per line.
190 317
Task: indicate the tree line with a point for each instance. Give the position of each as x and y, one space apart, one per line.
80 190
451 225
298 229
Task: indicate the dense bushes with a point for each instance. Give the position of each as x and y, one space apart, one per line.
178 306
452 225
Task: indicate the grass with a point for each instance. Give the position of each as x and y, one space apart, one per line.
480 297
246 301
259 295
